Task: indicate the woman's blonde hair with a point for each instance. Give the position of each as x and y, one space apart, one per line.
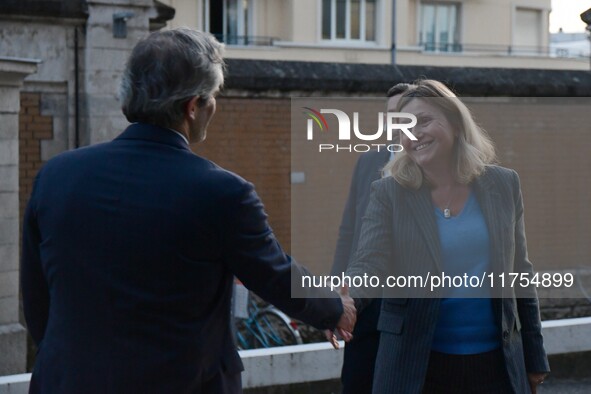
473 149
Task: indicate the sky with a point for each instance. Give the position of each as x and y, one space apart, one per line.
566 14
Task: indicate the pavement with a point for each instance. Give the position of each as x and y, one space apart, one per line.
565 386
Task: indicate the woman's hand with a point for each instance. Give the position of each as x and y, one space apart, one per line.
333 339
535 379
346 322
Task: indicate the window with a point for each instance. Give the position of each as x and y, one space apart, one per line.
229 20
353 20
527 31
439 27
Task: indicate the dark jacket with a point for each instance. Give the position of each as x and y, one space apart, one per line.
360 354
129 252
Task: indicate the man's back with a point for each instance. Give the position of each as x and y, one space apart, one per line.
130 247
139 239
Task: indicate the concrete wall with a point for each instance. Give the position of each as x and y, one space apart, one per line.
100 64
189 13
12 333
104 60
409 56
53 44
372 54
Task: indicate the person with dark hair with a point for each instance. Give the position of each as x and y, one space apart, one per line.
130 247
443 207
360 352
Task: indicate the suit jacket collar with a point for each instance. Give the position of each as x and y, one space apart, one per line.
421 207
489 199
153 133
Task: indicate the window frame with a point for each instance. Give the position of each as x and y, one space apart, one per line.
362 23
243 31
459 26
542 14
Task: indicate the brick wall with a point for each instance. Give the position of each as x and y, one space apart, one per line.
252 138
248 136
548 143
33 127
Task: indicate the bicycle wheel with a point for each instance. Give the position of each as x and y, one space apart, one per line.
245 334
275 329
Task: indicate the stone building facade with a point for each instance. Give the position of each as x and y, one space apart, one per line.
70 101
12 334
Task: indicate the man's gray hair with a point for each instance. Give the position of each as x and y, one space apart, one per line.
167 69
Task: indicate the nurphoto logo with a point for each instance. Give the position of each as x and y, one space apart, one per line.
392 119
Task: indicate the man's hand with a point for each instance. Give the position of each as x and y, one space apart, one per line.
349 317
535 379
346 322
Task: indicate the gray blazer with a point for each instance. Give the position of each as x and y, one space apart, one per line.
400 230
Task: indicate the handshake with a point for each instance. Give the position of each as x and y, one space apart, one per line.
347 321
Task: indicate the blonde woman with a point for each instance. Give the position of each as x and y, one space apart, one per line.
443 207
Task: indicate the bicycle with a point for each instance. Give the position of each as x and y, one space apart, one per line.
261 327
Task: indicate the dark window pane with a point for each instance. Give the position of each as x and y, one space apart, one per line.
370 20
443 27
439 27
341 18
326 6
355 28
428 27
246 32
216 19
232 21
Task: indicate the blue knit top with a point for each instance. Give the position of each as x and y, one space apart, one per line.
465 325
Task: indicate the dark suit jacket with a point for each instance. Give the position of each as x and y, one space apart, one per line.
400 230
367 170
360 353
129 252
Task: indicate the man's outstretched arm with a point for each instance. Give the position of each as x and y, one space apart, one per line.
256 258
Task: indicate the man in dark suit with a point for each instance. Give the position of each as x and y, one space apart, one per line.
360 353
130 247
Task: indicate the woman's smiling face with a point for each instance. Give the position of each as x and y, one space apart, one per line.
435 135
